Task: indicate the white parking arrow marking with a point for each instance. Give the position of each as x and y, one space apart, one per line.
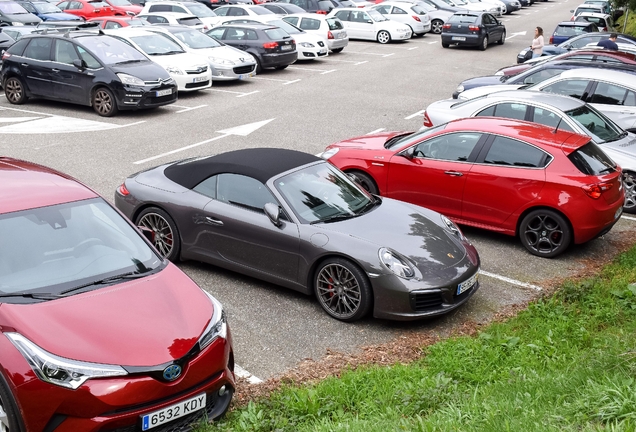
243 130
523 33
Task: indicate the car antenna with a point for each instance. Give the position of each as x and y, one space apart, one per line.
557 126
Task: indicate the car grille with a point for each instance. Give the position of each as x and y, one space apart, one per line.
183 424
159 81
243 69
424 301
199 70
197 85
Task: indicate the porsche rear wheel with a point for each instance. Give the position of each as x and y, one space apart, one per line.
165 230
343 290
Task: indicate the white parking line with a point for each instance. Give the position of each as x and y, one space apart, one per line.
510 281
415 47
417 114
247 94
362 62
431 43
311 69
368 53
242 373
191 108
628 218
240 94
375 131
285 82
329 59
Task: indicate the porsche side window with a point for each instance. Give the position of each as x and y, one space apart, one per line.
507 151
243 191
207 187
455 147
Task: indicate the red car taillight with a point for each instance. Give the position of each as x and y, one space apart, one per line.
416 18
270 45
551 39
596 190
122 190
5 56
321 12
427 121
446 26
473 28
330 35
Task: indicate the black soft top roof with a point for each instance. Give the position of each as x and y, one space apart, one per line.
259 163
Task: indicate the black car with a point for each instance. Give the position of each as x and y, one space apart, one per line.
473 29
12 14
282 8
271 46
85 68
538 73
314 6
577 42
512 6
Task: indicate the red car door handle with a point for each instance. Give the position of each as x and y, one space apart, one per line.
454 173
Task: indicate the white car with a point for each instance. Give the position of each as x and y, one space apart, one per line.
238 11
370 24
173 18
603 21
330 28
585 7
190 72
501 5
195 8
226 62
477 6
411 14
438 16
309 46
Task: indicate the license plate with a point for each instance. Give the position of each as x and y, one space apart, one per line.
458 38
286 48
199 79
164 92
466 285
172 412
245 76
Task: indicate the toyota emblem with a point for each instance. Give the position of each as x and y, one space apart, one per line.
172 372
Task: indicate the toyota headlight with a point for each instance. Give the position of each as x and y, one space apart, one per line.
130 80
329 153
396 263
174 70
450 225
460 88
494 10
17 23
217 326
220 61
58 370
306 45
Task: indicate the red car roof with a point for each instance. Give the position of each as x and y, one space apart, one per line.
25 185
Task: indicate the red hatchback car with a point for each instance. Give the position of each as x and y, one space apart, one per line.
550 188
99 333
87 8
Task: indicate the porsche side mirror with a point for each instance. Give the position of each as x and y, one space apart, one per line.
273 213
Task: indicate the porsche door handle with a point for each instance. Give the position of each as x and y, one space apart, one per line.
213 221
454 173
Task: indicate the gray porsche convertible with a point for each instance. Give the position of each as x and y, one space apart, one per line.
293 219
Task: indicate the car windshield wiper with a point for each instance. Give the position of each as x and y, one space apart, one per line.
619 136
368 206
168 53
129 61
37 296
105 281
335 218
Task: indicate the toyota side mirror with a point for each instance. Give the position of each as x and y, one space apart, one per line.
273 213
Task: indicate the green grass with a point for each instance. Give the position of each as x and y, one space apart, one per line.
630 29
567 363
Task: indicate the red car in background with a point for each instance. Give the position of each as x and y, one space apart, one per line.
550 188
124 7
113 22
87 8
591 54
99 332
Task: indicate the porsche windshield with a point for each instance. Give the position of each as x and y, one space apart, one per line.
321 193
63 247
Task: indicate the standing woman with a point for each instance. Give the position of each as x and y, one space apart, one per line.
537 42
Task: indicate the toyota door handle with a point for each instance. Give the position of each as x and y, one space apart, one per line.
454 173
214 221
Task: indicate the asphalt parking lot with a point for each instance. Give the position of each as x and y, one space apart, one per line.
367 88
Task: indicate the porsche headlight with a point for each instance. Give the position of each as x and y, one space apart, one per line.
220 61
58 370
174 70
396 263
450 225
130 80
460 88
217 326
329 153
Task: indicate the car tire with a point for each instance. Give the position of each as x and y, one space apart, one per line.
629 184
167 240
503 38
15 91
9 421
413 35
337 50
383 37
484 43
342 289
366 181
545 233
281 67
436 26
259 67
104 102
445 45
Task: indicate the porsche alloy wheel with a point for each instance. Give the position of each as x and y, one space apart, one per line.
545 233
166 236
342 290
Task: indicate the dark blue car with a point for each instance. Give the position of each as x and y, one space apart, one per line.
47 11
578 42
537 74
568 29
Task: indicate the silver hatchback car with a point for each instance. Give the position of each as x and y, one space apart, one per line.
331 28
